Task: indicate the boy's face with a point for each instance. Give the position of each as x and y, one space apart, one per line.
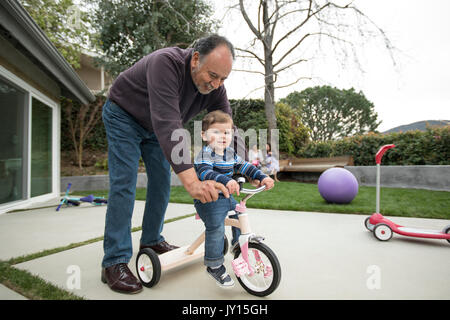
218 136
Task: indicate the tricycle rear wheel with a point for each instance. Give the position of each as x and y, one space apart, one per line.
148 267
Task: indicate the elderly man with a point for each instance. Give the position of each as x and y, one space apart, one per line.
146 103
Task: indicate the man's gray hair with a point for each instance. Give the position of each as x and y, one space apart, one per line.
205 45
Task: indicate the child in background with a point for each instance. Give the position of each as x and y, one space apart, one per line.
255 156
217 161
272 165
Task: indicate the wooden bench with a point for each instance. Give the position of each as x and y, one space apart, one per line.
314 164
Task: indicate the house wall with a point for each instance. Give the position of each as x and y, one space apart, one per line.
17 63
89 74
92 75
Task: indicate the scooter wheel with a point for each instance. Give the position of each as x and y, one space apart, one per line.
73 202
382 232
447 230
368 225
100 201
148 267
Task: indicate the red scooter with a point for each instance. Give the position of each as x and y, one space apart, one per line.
383 228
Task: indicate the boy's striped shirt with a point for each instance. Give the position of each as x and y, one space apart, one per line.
212 166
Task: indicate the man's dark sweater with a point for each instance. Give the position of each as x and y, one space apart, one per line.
158 92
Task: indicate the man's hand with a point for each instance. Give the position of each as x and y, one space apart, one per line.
233 187
205 191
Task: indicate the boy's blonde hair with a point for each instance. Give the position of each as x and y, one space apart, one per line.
216 116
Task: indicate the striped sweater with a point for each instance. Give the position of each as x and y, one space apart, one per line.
220 168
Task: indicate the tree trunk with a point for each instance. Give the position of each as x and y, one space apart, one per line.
269 95
269 81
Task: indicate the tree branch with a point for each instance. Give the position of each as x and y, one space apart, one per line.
309 15
249 22
249 71
290 84
290 65
253 54
293 48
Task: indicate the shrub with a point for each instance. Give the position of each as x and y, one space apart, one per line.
430 147
293 134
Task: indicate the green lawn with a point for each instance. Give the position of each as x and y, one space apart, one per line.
305 197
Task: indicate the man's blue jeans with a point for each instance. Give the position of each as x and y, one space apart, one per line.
127 142
213 215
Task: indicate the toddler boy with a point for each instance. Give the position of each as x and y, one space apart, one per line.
217 161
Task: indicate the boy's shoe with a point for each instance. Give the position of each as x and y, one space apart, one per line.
221 276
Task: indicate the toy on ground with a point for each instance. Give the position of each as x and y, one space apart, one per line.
255 264
74 201
337 185
384 228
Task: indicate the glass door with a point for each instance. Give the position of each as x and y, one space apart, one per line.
13 132
41 148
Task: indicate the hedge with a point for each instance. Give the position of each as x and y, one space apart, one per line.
430 147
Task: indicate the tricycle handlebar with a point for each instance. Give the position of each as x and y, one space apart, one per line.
252 191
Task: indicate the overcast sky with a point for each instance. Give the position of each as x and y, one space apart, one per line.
417 88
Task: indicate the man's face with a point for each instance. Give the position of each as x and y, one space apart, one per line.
210 73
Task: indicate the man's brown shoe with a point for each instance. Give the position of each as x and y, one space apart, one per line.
160 248
119 278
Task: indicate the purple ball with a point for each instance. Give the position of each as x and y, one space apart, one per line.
338 185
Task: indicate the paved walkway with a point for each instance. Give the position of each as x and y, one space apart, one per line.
323 256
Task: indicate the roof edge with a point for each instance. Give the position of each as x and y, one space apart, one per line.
33 38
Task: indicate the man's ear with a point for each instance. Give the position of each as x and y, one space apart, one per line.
195 59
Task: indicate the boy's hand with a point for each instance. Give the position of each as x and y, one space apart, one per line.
268 182
233 187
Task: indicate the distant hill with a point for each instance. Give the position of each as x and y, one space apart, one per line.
419 125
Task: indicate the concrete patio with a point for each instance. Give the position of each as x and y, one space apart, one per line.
322 255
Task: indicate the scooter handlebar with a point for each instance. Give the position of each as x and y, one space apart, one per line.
381 152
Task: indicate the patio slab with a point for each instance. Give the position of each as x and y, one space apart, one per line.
8 294
323 256
31 231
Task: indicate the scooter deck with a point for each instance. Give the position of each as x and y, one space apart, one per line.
179 256
422 233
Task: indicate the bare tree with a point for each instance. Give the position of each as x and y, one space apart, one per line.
82 118
285 31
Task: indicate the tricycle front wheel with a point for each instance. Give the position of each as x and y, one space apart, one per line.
266 270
